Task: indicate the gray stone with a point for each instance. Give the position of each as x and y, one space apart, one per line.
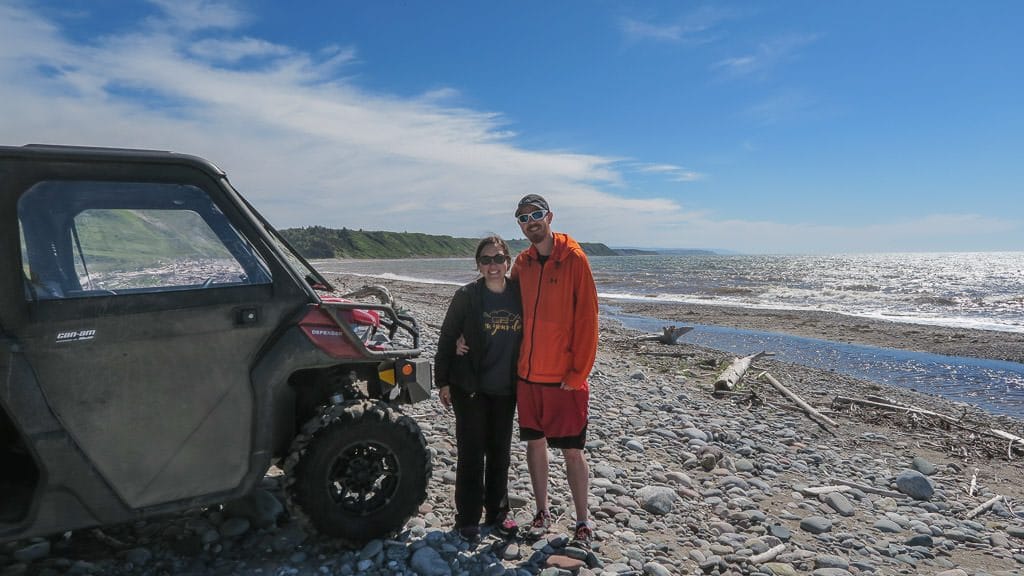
816 524
657 499
838 502
428 562
831 561
234 527
923 466
1015 531
999 540
781 569
634 445
259 506
138 556
33 552
372 548
924 540
914 484
886 525
656 569
780 532
831 572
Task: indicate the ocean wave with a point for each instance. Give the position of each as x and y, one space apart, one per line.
936 301
860 288
401 277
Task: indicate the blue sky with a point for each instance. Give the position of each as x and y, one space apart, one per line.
780 127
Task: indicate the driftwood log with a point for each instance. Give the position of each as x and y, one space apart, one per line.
1007 436
669 335
732 375
767 555
815 415
985 506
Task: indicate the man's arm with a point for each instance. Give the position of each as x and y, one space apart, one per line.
584 332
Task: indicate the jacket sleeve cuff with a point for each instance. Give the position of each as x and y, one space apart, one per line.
573 381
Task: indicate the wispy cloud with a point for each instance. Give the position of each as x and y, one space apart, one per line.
694 27
672 172
765 56
637 30
232 51
194 15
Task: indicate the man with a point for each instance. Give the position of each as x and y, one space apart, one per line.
556 356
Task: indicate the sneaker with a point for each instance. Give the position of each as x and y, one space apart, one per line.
507 528
469 533
583 536
542 521
540 524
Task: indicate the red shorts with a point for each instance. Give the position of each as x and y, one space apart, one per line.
547 411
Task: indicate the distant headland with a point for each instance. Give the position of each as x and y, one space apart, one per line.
317 242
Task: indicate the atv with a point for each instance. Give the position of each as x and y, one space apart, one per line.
162 347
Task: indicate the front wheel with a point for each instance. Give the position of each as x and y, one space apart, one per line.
364 473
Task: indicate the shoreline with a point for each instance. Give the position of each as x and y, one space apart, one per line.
967 342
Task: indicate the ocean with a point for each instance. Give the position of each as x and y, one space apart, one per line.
960 290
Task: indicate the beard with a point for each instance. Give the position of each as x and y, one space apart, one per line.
536 233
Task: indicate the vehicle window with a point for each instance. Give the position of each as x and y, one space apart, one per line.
86 239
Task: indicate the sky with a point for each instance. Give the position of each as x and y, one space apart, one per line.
755 127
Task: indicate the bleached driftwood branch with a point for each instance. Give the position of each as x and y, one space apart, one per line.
667 354
811 411
985 506
1007 436
819 490
896 408
669 335
732 375
767 555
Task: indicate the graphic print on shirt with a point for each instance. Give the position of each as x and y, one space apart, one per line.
502 321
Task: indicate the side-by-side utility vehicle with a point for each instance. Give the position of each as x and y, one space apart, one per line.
162 347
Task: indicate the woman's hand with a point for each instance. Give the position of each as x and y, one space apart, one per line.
445 394
461 348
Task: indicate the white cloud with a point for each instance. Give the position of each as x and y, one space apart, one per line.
231 51
194 15
672 172
637 30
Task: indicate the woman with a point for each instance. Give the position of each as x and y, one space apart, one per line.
480 387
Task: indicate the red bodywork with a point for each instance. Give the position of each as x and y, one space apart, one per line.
325 334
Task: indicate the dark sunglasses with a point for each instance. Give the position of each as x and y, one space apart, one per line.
496 259
535 215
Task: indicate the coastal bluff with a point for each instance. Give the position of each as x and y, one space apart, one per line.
319 242
682 482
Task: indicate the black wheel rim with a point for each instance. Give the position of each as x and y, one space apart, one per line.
363 478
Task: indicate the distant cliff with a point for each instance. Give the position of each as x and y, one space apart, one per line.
320 242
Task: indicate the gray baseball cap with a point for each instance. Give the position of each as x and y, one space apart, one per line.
533 200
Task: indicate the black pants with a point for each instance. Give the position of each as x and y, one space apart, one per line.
483 435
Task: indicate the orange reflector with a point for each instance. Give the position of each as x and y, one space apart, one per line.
407 369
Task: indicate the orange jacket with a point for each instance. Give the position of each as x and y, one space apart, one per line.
559 315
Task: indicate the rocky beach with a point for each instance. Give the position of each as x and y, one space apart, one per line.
683 481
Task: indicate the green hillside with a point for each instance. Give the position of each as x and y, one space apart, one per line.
321 242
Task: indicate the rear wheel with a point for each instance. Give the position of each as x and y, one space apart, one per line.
363 473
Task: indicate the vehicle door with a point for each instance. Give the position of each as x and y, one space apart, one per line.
147 306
